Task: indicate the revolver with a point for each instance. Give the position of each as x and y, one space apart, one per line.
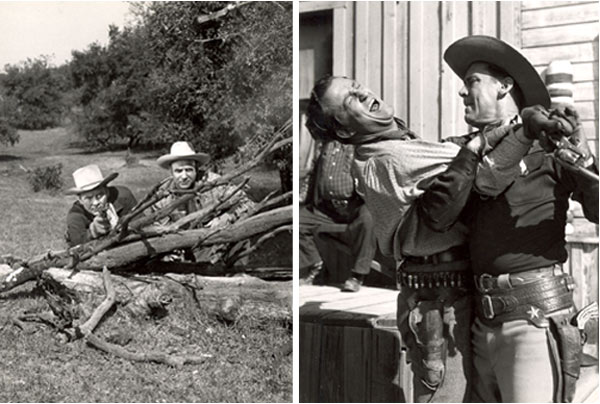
566 152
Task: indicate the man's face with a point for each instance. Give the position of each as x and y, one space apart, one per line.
480 95
356 107
94 201
184 173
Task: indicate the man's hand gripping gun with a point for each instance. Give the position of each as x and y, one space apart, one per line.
569 149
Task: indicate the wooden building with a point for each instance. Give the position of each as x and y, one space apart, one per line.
395 48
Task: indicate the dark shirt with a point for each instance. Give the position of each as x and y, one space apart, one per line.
331 185
524 227
334 178
79 219
447 193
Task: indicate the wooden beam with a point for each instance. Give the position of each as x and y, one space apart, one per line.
312 6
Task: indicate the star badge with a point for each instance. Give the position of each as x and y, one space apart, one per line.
534 312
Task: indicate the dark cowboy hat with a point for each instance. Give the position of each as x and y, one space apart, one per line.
480 48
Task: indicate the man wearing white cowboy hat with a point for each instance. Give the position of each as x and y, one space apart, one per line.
524 302
183 163
98 207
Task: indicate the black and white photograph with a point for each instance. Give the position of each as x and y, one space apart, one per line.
146 250
448 201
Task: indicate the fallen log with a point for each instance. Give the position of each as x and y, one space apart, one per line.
134 251
208 269
249 288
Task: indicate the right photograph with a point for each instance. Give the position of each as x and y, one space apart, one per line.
448 221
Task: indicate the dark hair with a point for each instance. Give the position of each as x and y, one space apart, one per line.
321 125
499 73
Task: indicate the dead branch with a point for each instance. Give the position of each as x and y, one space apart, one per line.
220 13
275 144
88 327
135 251
202 213
72 257
258 243
275 201
172 360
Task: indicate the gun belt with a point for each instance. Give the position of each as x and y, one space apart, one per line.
443 279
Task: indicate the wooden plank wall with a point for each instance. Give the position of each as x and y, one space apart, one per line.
567 30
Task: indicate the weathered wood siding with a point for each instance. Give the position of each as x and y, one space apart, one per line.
566 30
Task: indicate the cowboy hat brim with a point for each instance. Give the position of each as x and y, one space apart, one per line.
480 48
166 160
90 187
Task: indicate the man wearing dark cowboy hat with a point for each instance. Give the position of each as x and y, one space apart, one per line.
523 303
98 207
397 176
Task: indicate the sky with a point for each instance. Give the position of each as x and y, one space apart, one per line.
31 29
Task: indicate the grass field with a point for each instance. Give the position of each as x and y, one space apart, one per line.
38 366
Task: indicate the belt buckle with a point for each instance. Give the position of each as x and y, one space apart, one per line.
488 307
481 282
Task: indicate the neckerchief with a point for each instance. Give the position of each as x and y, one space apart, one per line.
401 133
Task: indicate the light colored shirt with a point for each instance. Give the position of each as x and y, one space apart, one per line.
388 173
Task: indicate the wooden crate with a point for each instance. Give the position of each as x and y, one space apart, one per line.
350 348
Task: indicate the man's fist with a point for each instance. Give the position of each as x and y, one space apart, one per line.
574 133
537 123
99 226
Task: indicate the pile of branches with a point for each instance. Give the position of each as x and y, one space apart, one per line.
134 245
130 243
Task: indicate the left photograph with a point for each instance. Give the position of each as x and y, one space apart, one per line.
146 191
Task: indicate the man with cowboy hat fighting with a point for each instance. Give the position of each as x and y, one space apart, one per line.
98 207
523 304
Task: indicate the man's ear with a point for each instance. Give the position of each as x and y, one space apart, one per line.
506 84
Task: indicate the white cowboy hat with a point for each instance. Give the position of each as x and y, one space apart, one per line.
181 151
480 48
88 178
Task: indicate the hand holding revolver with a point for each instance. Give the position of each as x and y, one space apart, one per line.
560 131
100 225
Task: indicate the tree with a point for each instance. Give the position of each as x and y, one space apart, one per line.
168 77
33 94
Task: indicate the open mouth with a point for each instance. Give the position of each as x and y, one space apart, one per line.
374 106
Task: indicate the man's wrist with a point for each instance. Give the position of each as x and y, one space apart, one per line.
520 135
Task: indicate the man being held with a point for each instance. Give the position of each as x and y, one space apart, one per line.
334 213
98 207
517 238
